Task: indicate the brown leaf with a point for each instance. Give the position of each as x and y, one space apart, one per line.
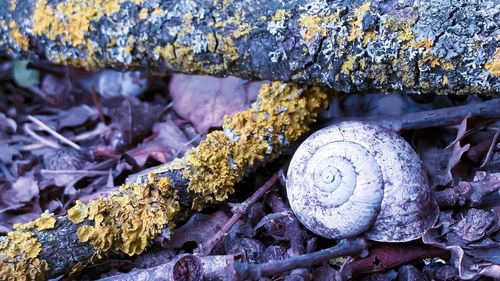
25 189
166 143
205 100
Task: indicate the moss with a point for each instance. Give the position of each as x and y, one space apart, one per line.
279 116
493 65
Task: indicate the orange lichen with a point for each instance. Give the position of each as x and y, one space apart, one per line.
493 66
279 116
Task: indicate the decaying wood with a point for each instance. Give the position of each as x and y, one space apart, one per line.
351 46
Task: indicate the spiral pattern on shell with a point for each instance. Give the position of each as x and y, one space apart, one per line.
353 178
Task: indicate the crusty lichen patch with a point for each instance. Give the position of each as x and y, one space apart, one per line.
493 65
70 19
280 115
18 257
16 35
129 219
44 222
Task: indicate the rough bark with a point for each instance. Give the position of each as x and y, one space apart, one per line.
421 46
130 218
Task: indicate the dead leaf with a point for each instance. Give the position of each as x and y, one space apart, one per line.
76 116
205 100
24 189
132 120
166 143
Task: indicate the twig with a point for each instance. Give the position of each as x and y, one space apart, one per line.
433 118
34 146
53 133
95 132
184 267
207 247
346 247
468 193
491 149
39 138
74 172
226 267
97 103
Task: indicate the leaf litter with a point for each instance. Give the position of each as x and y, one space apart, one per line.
127 122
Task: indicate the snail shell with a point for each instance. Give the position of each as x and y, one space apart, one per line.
353 178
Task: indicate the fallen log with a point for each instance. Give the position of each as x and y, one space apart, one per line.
129 219
351 46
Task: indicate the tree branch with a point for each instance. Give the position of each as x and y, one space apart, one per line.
350 46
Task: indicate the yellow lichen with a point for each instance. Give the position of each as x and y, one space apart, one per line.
45 221
16 35
13 5
348 65
32 270
18 257
127 220
356 20
157 11
311 25
426 44
143 14
444 81
78 213
279 116
493 66
70 19
279 14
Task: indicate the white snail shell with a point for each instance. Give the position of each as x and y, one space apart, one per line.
353 178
